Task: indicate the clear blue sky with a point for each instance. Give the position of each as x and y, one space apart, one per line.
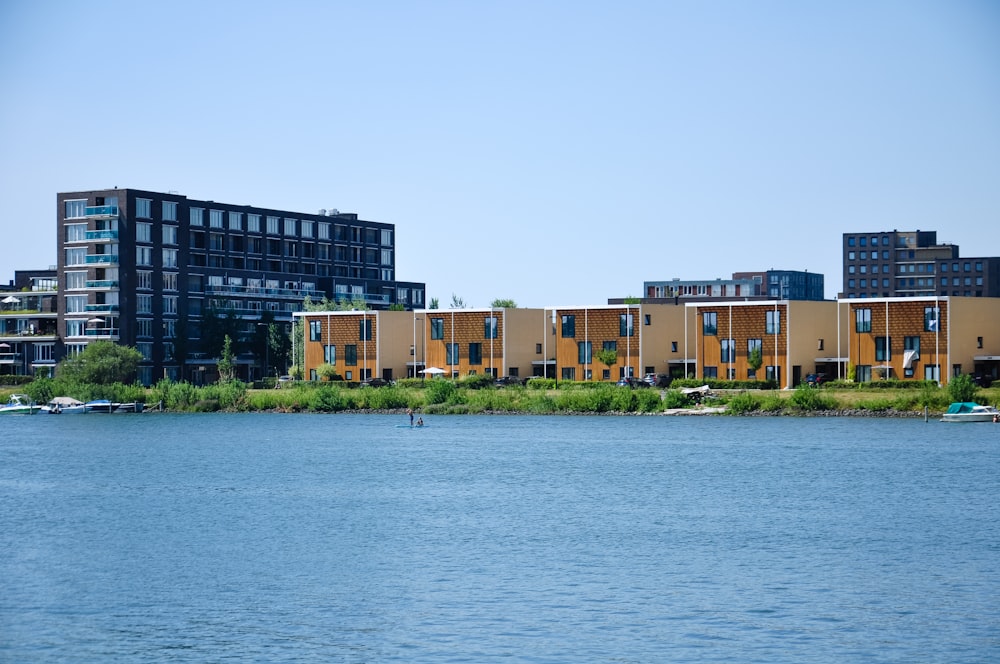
547 152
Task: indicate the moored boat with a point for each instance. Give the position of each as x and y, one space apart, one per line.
63 406
19 404
967 411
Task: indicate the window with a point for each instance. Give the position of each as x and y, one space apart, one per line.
253 223
862 320
215 218
584 352
728 347
235 221
169 211
863 373
883 349
169 235
365 329
143 232
144 279
170 304
169 332
451 353
315 330
76 280
307 228
673 346
850 242
850 255
76 256
290 226
197 217
76 232
569 373
170 281
772 322
144 208
475 353
610 345
76 209
772 373
144 304
386 257
323 230
932 372
144 327
330 354
710 323
626 327
169 258
143 255
931 319
490 327
76 304
272 225
710 372
568 326
647 319
437 328
351 355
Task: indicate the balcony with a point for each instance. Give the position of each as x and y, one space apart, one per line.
101 235
105 284
367 298
102 259
258 291
101 307
103 333
10 358
105 211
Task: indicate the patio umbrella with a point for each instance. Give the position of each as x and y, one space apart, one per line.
10 299
433 371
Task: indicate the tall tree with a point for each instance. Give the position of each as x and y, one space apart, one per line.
101 363
224 363
501 303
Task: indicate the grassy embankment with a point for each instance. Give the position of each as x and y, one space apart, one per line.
474 394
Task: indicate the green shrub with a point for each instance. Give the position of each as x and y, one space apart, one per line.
476 381
743 403
648 401
618 399
876 405
772 403
327 399
538 383
962 388
675 399
440 390
808 399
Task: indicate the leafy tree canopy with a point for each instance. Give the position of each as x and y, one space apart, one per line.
101 363
501 303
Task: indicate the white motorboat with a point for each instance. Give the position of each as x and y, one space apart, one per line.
966 411
63 406
19 404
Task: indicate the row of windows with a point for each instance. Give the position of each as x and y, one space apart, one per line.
710 322
862 241
626 325
771 372
863 319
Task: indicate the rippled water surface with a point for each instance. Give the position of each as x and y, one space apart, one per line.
542 539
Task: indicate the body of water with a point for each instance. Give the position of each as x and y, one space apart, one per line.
266 537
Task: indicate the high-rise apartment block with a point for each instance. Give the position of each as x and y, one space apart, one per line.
913 264
150 270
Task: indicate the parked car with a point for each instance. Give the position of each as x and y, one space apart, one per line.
631 382
816 379
504 381
285 380
657 380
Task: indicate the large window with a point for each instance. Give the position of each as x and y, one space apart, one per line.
351 355
76 304
170 304
863 373
253 223
144 304
365 329
76 209
330 354
215 218
772 372
315 330
76 280
862 320
76 232
490 327
169 235
76 256
170 281
437 328
883 349
568 326
728 350
169 211
144 279
584 352
626 326
451 352
143 232
197 217
235 221
144 208
143 255
475 353
290 226
932 372
772 324
273 225
931 319
709 323
169 258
